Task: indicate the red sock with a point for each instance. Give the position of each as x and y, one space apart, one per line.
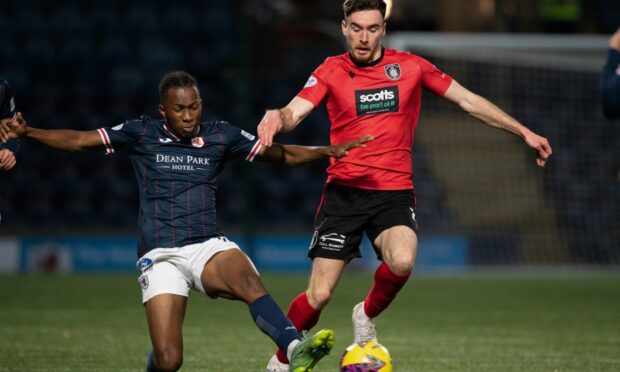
384 290
303 316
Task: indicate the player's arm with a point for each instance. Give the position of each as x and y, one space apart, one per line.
283 120
60 139
294 155
488 113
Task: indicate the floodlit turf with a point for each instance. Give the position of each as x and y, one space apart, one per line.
96 323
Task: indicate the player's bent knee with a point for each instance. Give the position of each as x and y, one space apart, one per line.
402 265
319 297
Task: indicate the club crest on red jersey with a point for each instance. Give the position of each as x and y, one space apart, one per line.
393 71
198 142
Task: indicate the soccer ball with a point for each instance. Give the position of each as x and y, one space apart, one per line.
366 357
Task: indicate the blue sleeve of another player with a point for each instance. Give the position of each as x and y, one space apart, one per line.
611 85
122 136
12 145
7 110
7 102
239 143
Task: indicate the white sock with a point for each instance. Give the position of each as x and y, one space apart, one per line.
289 349
361 313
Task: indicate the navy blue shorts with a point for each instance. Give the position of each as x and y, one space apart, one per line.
346 213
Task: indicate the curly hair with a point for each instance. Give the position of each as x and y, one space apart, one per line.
176 79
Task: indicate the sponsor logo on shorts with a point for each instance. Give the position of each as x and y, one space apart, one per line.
145 264
415 223
144 281
393 71
332 242
376 101
315 237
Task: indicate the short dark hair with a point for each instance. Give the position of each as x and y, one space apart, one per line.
175 79
351 6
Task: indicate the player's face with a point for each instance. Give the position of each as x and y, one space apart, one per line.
363 31
182 109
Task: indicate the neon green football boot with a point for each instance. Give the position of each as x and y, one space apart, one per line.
310 350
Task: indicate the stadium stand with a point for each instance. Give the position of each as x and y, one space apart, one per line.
90 64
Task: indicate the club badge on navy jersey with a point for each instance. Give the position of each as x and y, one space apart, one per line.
198 142
393 71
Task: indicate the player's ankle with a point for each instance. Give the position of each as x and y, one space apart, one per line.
289 351
283 357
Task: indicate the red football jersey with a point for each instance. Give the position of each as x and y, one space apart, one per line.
382 99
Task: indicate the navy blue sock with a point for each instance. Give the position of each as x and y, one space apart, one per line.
271 320
149 362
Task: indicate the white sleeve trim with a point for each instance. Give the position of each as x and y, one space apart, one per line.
105 139
255 150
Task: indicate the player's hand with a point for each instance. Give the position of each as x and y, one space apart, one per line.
13 128
7 159
541 146
5 130
269 126
342 150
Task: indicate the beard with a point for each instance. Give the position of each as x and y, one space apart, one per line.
362 54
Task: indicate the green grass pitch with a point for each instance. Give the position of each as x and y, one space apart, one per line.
457 323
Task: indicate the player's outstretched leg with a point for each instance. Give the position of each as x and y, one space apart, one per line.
364 328
310 350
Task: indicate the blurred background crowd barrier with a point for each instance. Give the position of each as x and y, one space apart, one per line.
482 202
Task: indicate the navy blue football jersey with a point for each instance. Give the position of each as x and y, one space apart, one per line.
177 178
610 83
7 110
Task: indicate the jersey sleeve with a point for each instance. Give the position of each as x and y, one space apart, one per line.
8 110
315 89
239 143
434 79
610 84
7 102
121 136
12 144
